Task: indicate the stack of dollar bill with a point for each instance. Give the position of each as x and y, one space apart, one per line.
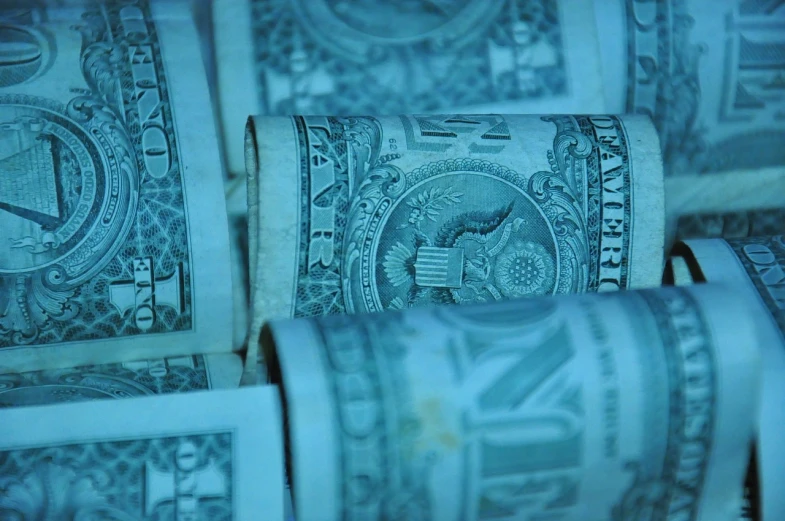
405 260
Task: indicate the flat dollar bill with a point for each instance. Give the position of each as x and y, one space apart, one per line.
281 57
756 265
712 76
514 410
214 455
121 380
732 225
362 214
113 236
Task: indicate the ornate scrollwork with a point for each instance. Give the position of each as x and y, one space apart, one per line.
39 293
34 300
56 492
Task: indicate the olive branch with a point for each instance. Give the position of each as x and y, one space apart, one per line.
431 202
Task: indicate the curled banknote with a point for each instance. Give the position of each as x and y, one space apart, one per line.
620 406
756 266
358 214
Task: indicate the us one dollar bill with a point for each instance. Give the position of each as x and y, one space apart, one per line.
120 380
732 225
113 240
187 456
756 265
511 410
711 74
127 380
282 57
361 214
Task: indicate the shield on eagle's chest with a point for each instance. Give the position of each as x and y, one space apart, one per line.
438 267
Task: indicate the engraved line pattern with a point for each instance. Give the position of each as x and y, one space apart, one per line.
380 248
763 259
131 272
113 479
104 381
366 57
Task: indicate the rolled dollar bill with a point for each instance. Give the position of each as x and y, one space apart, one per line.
113 235
515 408
359 214
286 57
187 456
756 266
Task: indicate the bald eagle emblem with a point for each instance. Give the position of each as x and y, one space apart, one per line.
475 256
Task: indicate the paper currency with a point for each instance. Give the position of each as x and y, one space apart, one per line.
283 57
207 455
732 225
709 72
677 272
738 195
715 90
113 236
756 266
363 214
712 76
120 380
516 409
